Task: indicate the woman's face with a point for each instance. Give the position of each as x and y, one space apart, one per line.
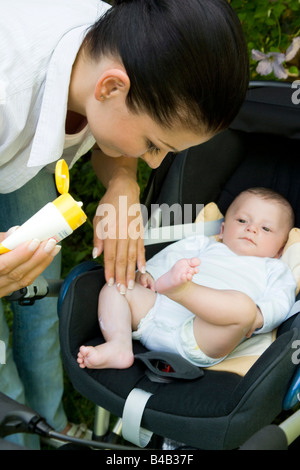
120 132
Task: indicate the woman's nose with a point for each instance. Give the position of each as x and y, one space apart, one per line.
154 160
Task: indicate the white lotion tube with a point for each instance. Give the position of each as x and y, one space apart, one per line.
57 220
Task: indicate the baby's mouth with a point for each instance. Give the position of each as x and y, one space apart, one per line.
248 240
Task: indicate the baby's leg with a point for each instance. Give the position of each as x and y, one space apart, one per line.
230 317
222 317
115 323
118 314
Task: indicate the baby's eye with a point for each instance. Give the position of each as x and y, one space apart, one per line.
241 221
152 148
266 229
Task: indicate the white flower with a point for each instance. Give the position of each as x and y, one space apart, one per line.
271 62
292 49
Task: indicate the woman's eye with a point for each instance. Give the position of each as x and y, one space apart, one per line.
152 148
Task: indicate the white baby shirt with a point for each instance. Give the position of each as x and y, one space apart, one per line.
268 282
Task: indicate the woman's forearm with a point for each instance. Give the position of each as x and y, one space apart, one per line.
109 169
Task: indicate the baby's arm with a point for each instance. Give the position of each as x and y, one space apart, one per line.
278 298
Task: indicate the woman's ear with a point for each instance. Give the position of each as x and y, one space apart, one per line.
113 82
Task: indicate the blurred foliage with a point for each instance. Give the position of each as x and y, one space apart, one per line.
269 26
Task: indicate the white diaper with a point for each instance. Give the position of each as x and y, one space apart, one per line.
168 327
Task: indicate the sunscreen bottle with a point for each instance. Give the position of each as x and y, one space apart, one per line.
57 219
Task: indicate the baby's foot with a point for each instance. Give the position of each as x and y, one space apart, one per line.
182 272
105 356
90 357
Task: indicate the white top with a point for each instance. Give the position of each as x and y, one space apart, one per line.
268 282
39 41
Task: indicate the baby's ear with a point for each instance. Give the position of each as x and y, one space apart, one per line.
279 254
221 231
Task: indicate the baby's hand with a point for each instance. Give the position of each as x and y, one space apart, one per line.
146 280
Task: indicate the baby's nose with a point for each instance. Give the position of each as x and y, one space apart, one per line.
252 228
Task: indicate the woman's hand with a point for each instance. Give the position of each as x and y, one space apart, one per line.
118 224
21 266
118 231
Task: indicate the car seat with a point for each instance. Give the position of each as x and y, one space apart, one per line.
165 396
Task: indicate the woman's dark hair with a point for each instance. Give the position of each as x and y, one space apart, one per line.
186 59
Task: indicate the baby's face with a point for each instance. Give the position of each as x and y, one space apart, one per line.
255 227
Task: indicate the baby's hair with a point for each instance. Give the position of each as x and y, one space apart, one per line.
271 195
187 60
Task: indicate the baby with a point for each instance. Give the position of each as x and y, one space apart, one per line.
203 305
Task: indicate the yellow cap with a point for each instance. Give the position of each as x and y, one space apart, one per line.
62 179
67 206
3 249
71 210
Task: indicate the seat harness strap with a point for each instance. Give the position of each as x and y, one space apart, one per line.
132 417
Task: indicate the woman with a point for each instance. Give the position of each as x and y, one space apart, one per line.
137 80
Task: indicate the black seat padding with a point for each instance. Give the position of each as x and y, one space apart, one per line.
219 410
